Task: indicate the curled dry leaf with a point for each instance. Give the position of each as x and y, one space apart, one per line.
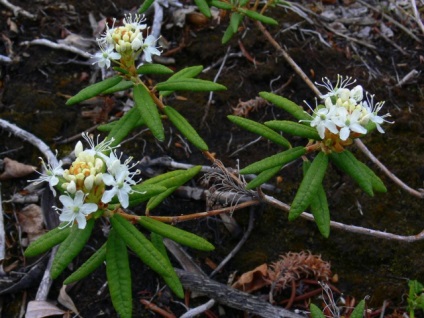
31 221
41 308
66 300
14 169
252 280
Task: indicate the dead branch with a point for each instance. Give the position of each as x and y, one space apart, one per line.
18 10
417 193
57 46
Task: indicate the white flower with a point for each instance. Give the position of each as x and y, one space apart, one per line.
149 48
134 23
372 113
105 55
49 175
120 183
348 122
323 120
97 148
74 209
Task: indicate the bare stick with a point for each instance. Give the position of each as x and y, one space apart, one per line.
57 46
417 15
46 282
199 309
419 194
5 59
239 244
18 10
288 59
28 137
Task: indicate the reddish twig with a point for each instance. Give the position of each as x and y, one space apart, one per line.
153 307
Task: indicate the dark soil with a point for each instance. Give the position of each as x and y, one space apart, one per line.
33 91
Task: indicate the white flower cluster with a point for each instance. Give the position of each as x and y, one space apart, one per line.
126 40
91 182
345 112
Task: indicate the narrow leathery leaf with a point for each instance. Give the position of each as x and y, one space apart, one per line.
347 162
176 234
119 274
154 69
260 129
93 90
107 127
125 125
156 200
174 178
71 247
149 111
263 177
47 241
157 241
185 128
121 70
190 84
144 193
228 34
279 159
235 21
203 7
319 207
259 17
294 129
147 252
221 5
243 3
89 266
145 6
377 183
121 86
358 312
188 72
315 311
295 110
309 185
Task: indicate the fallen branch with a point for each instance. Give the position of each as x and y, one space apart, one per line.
57 46
18 10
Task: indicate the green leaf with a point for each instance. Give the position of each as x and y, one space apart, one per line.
185 128
176 234
190 84
188 72
47 241
119 274
260 129
235 21
203 7
309 186
377 183
93 90
295 110
156 200
263 177
154 69
89 266
146 5
294 129
148 111
259 17
121 86
71 247
279 159
147 252
157 241
358 312
319 207
174 178
121 128
142 193
315 311
228 34
347 162
221 5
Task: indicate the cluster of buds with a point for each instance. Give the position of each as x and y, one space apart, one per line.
124 43
345 114
94 178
